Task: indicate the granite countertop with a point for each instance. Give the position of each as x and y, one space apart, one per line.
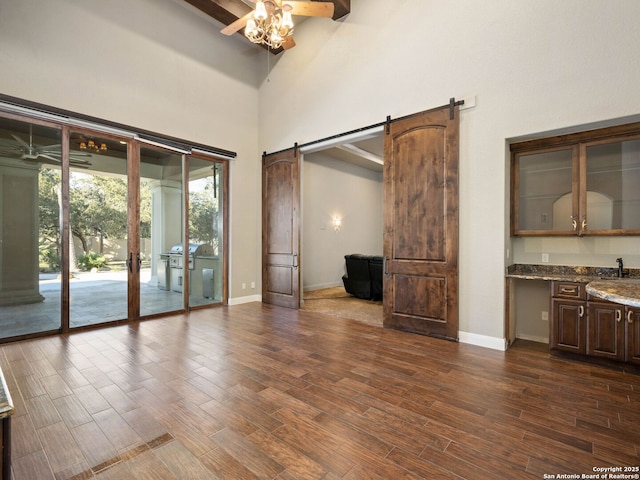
602 282
6 405
624 290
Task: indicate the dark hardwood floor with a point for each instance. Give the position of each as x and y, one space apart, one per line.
260 392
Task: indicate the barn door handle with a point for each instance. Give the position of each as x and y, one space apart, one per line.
138 262
385 265
130 262
295 261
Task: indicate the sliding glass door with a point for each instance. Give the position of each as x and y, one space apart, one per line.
206 231
161 231
30 234
98 219
97 228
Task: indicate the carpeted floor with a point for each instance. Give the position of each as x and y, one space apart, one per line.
337 302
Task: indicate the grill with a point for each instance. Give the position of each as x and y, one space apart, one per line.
201 260
196 250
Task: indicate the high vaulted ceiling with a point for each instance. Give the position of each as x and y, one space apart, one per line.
228 11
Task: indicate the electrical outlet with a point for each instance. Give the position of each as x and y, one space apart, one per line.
545 316
244 286
545 258
253 284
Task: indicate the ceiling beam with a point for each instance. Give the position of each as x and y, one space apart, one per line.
342 8
225 11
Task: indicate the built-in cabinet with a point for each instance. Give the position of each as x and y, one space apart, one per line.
579 184
568 326
591 326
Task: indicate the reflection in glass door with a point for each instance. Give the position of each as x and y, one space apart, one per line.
162 273
206 231
98 185
30 235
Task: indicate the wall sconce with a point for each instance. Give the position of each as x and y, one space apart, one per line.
337 223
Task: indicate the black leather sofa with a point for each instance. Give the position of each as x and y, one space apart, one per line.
364 276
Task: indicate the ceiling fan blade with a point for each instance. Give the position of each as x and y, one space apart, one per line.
47 157
311 9
237 25
78 161
288 43
20 141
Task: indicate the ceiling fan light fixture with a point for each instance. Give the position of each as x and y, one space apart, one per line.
261 11
269 26
287 21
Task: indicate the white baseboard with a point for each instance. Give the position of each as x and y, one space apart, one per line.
533 338
482 341
247 299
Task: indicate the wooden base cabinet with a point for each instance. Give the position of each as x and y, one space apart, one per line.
568 327
591 326
632 325
614 331
606 337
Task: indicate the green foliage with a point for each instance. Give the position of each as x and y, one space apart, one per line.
50 256
204 215
49 182
92 260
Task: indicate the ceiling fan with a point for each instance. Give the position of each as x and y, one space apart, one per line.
30 152
270 23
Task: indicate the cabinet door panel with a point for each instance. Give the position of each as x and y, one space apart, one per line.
606 331
544 197
568 330
633 335
612 178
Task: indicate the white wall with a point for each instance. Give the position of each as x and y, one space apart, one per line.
153 64
333 188
533 65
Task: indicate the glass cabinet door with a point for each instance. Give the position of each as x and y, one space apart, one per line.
543 194
612 191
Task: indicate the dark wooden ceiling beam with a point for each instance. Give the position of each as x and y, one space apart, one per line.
225 11
342 7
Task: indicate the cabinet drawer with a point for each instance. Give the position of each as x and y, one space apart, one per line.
569 290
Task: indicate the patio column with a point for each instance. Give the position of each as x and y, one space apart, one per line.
19 224
166 221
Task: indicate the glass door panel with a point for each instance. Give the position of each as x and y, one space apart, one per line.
545 196
612 192
98 221
206 231
30 213
162 273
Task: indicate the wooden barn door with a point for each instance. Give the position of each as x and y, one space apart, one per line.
281 228
421 224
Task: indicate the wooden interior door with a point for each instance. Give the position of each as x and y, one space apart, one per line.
281 228
421 224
